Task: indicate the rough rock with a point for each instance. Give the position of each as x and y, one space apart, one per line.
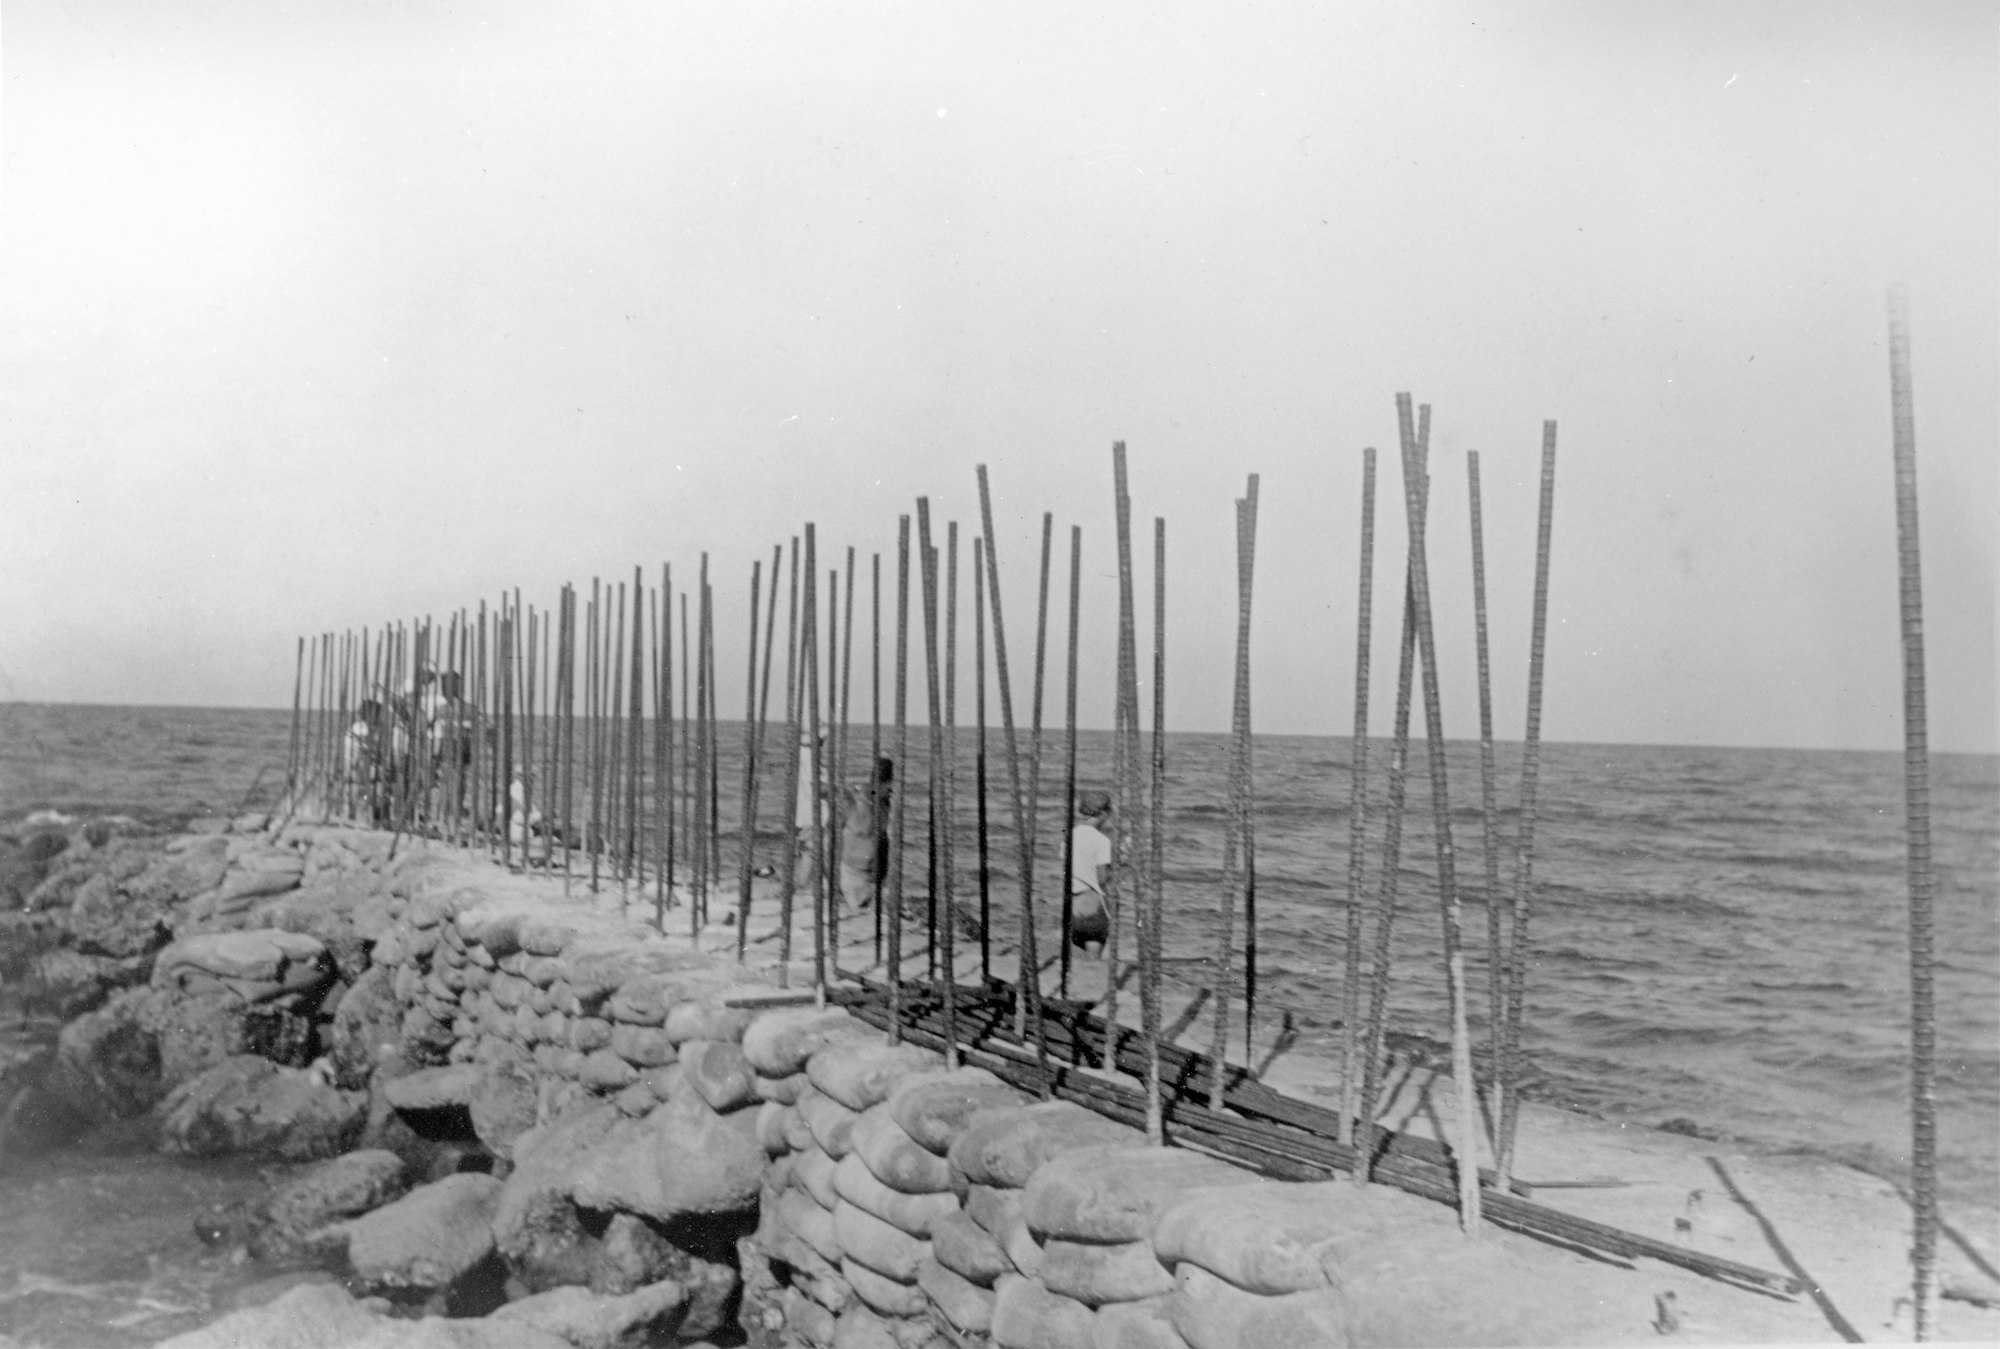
430 1237
178 877
107 922
681 1159
434 1088
367 1022
249 1104
289 1221
1117 1193
108 1061
325 1316
593 1321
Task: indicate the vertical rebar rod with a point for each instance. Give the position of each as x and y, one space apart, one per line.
292 774
704 878
635 760
979 760
1246 824
846 689
1357 826
591 707
1385 902
949 831
1156 834
833 779
809 687
761 717
1466 1145
746 860
1028 992
1030 848
309 748
1123 876
788 869
568 678
1524 840
1496 960
1238 885
1069 771
662 783
712 777
1917 826
893 921
877 869
615 775
528 750
933 685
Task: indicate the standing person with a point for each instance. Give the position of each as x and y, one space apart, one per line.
864 837
1090 917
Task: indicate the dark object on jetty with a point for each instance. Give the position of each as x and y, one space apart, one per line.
1280 1137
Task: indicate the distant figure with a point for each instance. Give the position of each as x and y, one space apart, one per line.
864 835
1090 918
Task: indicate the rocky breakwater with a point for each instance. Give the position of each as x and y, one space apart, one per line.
503 1117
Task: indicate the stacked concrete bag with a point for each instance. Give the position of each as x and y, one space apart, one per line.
995 1157
792 1263
889 1190
958 1275
1094 1210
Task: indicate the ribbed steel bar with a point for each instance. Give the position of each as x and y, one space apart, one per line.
979 762
949 832
1489 809
1069 755
893 920
1416 499
1917 827
788 869
746 860
1524 840
1357 821
1029 985
1155 897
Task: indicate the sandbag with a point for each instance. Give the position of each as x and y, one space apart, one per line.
771 1134
1005 1147
934 1111
968 1307
915 1214
831 1123
1095 1274
999 1212
1212 1314
784 1090
1270 1239
1117 1193
1137 1325
1028 1316
778 1043
891 1297
895 1157
705 1020
718 1071
969 1250
815 1173
861 1073
887 1250
811 1224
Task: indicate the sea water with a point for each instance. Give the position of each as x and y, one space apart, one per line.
1719 936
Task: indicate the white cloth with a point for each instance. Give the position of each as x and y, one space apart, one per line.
1090 854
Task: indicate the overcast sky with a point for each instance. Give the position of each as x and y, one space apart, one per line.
321 314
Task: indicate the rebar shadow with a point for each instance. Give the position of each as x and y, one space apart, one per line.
1807 1282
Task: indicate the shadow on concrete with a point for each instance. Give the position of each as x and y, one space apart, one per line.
1841 1325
